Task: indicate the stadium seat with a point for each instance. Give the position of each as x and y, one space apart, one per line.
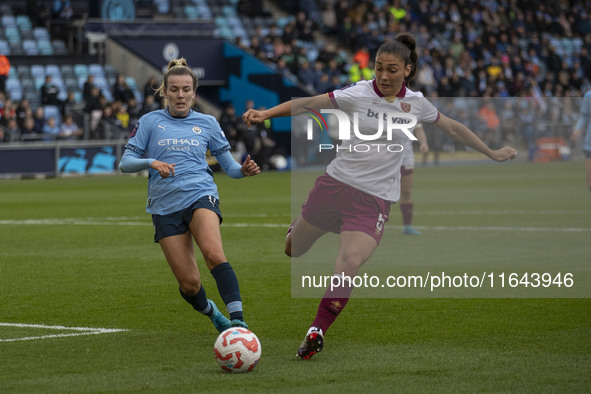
81 70
23 70
41 33
4 47
37 71
12 34
15 94
51 111
8 21
59 47
16 49
131 83
67 69
39 81
53 70
24 23
30 47
71 82
27 82
13 83
96 70
44 47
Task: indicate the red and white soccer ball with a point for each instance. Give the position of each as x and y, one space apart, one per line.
237 350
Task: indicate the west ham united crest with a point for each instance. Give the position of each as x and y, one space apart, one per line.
405 107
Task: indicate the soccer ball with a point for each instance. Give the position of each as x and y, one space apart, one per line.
237 349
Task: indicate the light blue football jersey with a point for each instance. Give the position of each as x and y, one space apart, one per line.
184 141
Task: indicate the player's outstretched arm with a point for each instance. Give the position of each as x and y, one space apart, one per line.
288 108
464 135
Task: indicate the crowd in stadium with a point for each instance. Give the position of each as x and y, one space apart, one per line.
466 49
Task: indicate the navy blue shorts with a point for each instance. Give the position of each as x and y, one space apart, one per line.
177 223
587 154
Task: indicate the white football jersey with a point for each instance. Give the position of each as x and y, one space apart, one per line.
370 161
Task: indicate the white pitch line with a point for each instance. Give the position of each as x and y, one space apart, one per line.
505 212
81 331
113 221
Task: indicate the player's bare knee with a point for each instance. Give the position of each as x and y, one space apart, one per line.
213 257
190 286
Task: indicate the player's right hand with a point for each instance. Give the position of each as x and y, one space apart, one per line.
505 153
253 116
164 169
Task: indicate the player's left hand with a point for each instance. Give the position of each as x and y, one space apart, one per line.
249 167
505 153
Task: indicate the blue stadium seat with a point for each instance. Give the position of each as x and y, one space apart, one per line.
41 33
53 70
30 47
44 47
13 83
12 34
37 71
131 83
71 82
15 94
81 70
27 82
4 47
108 95
39 81
51 111
96 70
23 69
8 20
67 69
24 23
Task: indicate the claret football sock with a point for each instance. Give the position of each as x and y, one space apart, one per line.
332 304
406 210
229 290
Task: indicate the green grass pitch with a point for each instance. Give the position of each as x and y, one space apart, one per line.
78 252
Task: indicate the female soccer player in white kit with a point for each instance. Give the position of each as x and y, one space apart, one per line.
182 197
353 197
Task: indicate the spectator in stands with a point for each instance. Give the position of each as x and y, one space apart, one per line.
62 9
231 125
7 112
121 114
69 106
149 105
120 90
12 132
4 71
133 109
69 130
306 75
87 88
150 88
109 126
23 111
51 130
28 132
39 119
49 93
94 109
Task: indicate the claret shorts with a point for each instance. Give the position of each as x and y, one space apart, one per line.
334 206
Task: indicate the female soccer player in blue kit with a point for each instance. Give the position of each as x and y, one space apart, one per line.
353 197
182 197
